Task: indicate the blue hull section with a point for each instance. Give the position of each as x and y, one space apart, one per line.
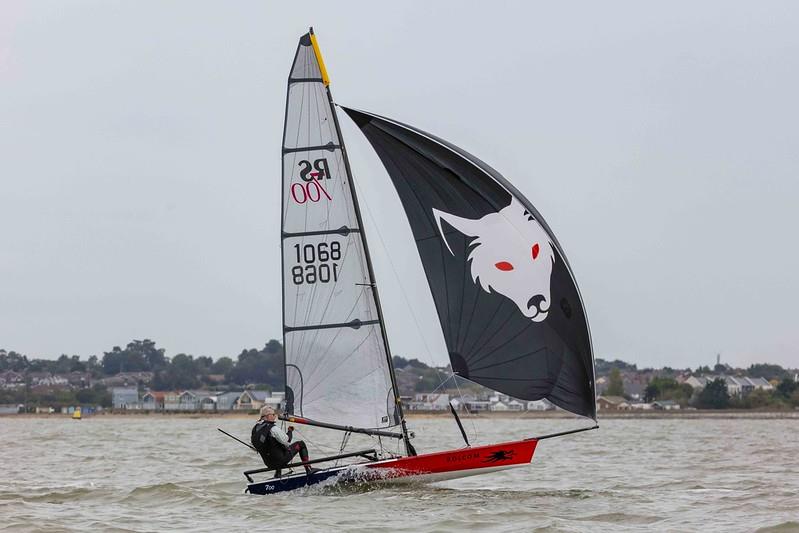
292 482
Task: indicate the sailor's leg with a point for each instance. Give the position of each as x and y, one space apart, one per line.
299 447
302 449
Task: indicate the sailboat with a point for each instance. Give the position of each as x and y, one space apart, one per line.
508 305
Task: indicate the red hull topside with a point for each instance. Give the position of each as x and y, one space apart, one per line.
429 467
491 456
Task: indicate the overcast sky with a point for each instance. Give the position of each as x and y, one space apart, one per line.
140 164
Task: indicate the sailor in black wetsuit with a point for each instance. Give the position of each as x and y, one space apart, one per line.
274 444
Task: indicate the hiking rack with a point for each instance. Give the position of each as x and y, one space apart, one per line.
367 454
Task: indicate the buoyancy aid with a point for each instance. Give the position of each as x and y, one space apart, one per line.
272 452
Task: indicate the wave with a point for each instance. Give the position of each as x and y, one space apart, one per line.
58 495
785 527
621 518
161 492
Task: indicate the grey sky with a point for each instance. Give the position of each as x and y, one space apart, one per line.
140 163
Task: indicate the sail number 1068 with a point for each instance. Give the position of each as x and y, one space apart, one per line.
316 263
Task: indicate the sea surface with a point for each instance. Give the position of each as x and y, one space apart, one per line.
170 473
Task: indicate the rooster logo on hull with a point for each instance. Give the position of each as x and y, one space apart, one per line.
511 254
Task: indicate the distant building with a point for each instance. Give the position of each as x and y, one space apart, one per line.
406 402
515 405
40 380
476 406
188 401
278 395
219 401
209 403
540 405
252 400
172 401
751 384
737 386
430 402
10 409
665 405
11 380
498 397
191 400
697 382
499 406
226 400
125 397
612 403
127 379
153 401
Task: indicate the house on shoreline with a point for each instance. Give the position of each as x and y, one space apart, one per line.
129 398
252 400
125 398
737 386
612 403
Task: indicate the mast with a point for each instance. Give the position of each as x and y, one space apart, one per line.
398 404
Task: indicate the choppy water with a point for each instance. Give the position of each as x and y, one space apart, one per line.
164 473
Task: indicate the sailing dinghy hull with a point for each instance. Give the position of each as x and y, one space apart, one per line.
425 468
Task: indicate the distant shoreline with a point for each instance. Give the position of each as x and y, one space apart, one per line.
421 415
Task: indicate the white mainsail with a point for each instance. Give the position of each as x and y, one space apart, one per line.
337 366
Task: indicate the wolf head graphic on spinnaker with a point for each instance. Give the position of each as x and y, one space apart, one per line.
511 254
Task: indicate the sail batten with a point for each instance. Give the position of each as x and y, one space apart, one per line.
509 307
337 364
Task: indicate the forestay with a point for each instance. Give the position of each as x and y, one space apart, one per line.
337 368
509 307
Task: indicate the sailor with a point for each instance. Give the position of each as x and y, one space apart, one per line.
275 445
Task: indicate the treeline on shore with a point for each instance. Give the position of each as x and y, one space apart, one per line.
263 369
256 368
181 371
670 385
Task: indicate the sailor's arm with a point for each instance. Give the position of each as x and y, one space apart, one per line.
280 436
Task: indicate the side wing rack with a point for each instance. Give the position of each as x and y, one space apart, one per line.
367 454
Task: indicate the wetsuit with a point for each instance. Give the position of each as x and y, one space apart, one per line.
275 445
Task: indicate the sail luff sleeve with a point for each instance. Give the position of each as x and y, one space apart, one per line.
319 60
335 364
509 308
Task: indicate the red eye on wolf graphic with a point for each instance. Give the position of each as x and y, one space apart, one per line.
511 254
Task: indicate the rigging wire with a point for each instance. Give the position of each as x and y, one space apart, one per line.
312 444
344 442
416 321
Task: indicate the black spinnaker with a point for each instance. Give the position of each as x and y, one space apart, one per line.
510 310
